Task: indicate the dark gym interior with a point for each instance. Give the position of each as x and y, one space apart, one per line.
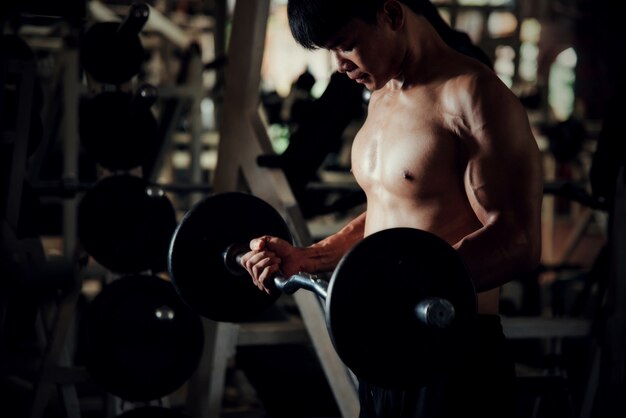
119 118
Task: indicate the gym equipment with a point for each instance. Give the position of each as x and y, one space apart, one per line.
112 52
15 48
118 129
399 306
311 141
125 224
566 139
210 287
30 212
241 141
141 342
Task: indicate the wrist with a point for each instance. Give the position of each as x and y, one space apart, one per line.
319 258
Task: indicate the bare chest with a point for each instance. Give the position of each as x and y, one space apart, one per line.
405 151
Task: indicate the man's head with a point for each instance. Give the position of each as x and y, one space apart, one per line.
314 23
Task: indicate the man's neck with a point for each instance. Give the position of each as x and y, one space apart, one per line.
424 55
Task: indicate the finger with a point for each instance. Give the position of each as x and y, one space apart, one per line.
257 244
262 264
250 259
244 258
276 244
259 268
266 278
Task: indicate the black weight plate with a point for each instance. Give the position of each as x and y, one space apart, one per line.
118 131
142 342
109 57
196 262
126 225
370 308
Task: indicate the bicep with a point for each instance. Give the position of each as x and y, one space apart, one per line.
503 174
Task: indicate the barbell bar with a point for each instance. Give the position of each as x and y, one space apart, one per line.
434 311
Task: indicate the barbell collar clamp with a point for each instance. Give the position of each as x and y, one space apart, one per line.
435 312
232 258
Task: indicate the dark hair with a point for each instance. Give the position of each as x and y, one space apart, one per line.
314 23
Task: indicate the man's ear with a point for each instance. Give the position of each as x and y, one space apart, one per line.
394 13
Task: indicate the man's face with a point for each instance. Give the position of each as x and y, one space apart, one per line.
366 52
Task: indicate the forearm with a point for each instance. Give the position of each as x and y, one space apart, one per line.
495 255
325 254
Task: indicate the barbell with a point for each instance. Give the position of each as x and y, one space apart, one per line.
399 306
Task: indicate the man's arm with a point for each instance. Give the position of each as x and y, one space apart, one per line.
504 184
325 254
269 254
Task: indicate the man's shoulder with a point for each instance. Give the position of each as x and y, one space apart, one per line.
473 76
473 83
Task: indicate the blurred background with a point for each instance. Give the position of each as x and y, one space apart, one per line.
112 115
